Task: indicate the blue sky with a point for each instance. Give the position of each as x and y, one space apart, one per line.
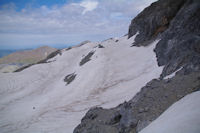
20 4
59 23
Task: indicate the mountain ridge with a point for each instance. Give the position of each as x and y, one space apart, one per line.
21 58
17 57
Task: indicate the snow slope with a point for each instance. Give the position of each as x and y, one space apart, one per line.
37 100
181 117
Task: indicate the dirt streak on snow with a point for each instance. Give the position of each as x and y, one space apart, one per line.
37 100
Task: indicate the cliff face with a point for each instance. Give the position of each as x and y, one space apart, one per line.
180 44
177 25
154 20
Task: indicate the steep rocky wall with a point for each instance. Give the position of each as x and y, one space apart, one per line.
180 44
154 20
179 47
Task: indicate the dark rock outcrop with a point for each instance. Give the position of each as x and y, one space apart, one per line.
180 44
86 58
154 20
53 54
69 78
100 46
179 47
24 67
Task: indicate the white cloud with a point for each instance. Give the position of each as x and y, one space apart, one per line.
88 5
66 24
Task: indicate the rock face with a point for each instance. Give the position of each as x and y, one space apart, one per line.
180 44
153 20
179 48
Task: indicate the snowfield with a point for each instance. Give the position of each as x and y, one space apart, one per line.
37 100
182 117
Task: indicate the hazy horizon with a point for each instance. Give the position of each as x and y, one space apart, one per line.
61 46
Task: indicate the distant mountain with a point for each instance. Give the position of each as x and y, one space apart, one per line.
25 57
6 52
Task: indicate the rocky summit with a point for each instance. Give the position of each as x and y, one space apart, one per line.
176 23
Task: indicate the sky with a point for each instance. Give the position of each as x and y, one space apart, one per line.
61 23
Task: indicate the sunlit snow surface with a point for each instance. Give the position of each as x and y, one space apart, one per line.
181 117
37 100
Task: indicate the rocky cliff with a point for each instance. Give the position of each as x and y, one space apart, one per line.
177 25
